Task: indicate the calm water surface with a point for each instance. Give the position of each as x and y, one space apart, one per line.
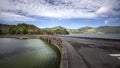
108 36
29 53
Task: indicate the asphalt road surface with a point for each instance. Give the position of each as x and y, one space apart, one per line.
92 53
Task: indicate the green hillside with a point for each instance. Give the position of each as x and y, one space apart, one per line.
89 30
23 28
57 30
98 30
109 29
4 28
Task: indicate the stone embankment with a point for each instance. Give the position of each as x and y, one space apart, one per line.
86 53
50 39
61 45
69 56
83 52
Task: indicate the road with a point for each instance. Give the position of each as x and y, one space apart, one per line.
86 52
92 53
74 59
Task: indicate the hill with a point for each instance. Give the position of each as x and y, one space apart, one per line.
4 28
98 30
23 28
57 30
109 29
89 30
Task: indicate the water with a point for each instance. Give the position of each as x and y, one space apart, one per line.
108 36
29 53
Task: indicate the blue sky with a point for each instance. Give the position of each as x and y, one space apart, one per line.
67 13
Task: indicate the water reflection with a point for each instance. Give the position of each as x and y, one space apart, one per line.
30 53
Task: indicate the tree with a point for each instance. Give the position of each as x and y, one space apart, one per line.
61 31
12 29
23 28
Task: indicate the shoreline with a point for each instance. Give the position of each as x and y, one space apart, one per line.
45 38
37 36
74 48
55 41
93 38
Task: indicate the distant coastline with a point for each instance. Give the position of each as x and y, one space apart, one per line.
96 36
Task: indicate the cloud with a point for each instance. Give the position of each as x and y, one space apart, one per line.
61 9
103 10
58 9
106 21
7 16
6 5
110 8
111 20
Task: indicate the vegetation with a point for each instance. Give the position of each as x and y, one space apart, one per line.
89 30
98 30
109 29
4 28
31 29
23 28
57 30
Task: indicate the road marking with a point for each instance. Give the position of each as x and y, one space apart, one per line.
115 55
119 58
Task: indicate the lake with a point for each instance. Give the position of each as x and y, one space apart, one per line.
108 36
29 53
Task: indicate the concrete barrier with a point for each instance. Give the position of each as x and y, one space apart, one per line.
61 46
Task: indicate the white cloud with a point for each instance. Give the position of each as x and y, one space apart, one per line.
70 8
106 21
6 5
7 16
110 8
103 10
111 20
62 9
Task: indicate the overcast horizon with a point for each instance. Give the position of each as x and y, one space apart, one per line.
67 13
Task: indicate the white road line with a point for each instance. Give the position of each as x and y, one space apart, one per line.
119 58
115 55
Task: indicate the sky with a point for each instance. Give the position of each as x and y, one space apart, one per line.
67 13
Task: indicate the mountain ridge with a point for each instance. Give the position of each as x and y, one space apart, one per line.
82 30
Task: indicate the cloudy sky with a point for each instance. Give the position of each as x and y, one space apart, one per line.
67 13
